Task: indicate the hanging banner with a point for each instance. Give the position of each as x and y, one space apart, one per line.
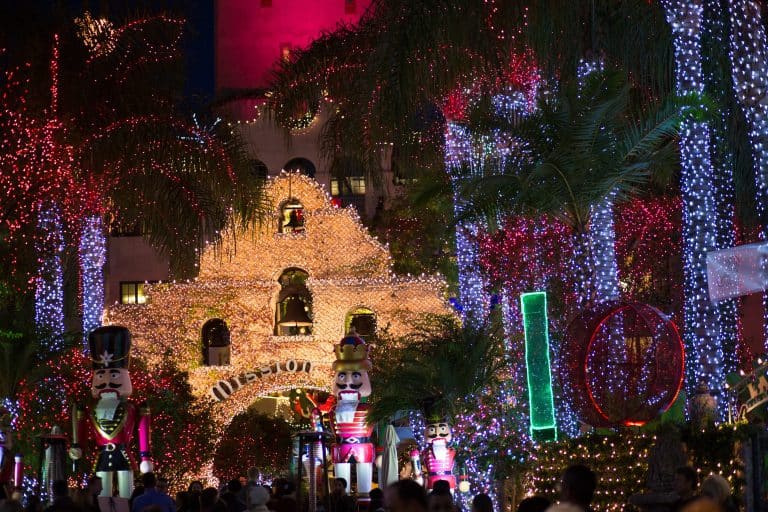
224 388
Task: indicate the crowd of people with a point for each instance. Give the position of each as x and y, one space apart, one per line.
576 492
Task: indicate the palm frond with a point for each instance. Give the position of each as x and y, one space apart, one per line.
441 361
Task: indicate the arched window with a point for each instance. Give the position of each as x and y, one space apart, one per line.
291 216
215 343
302 165
293 315
259 170
364 322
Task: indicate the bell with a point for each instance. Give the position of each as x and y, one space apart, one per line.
295 315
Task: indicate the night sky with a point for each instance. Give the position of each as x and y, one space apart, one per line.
19 18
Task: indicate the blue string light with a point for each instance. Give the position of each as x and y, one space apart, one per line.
49 285
702 323
92 254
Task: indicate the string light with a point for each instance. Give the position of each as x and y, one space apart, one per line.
49 285
238 282
92 256
702 325
748 55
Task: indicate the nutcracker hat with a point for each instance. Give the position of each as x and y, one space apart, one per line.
433 412
351 353
110 347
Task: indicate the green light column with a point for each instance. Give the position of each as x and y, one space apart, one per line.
537 366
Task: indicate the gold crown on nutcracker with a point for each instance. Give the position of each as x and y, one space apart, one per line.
351 353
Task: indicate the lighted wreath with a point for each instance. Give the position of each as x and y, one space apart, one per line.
622 363
305 119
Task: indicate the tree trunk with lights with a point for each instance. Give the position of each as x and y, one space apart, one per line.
92 255
749 58
702 327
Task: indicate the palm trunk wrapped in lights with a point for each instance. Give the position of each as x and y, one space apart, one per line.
749 65
702 326
49 284
92 255
472 283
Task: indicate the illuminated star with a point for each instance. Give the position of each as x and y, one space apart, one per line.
106 358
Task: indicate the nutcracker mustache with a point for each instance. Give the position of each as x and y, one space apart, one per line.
352 386
111 386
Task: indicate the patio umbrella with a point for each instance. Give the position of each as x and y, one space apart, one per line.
389 472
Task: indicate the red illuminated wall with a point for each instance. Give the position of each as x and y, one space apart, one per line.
250 34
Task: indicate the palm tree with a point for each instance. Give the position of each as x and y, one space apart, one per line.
582 148
452 370
440 361
135 160
704 330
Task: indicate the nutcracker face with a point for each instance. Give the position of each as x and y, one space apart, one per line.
111 380
438 432
352 381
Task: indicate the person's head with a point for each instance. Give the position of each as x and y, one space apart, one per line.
95 486
234 486
377 498
716 488
149 480
534 504
137 491
578 485
482 503
195 486
60 488
183 499
685 481
287 487
440 502
441 487
253 474
340 486
405 496
208 498
257 496
162 484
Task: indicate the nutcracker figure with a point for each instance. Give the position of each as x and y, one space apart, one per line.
349 416
112 418
438 456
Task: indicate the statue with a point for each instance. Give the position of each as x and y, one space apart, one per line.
349 416
54 455
438 455
112 418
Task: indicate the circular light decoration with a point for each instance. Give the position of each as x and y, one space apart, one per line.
622 364
304 120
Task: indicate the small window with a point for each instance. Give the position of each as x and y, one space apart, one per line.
132 293
292 217
216 343
350 6
354 186
293 316
363 320
266 3
259 170
302 165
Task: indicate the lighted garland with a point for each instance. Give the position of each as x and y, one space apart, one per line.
621 463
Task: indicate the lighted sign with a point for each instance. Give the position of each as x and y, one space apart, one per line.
537 366
224 388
